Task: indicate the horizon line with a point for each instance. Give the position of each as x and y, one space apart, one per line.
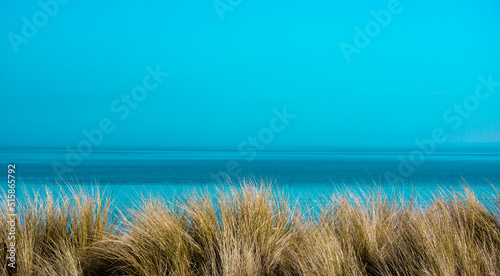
271 150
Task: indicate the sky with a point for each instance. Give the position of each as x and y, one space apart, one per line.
273 74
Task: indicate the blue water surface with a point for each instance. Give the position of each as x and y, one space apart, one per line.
305 177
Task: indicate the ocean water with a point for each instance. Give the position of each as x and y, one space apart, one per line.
306 176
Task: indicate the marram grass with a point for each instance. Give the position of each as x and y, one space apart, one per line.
251 230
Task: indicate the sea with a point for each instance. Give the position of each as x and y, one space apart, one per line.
301 176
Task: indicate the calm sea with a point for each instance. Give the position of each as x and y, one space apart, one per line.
303 175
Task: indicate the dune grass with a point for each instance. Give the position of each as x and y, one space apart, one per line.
251 230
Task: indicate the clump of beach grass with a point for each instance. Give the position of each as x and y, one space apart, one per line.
251 229
245 231
55 233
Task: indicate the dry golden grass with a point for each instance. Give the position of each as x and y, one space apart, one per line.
250 230
54 235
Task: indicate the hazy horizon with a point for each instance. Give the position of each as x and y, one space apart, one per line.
485 148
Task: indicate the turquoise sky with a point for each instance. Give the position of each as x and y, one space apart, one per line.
354 74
